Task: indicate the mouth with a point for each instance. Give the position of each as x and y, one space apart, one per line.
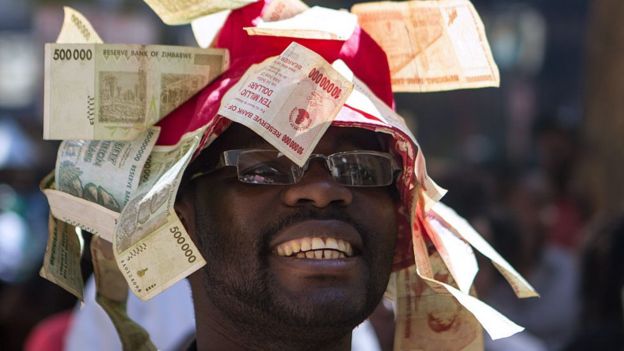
318 244
307 253
316 248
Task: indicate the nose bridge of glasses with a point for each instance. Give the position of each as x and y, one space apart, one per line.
313 157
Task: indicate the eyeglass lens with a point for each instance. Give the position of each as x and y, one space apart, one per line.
357 168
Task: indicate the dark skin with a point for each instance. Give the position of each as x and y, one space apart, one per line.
248 297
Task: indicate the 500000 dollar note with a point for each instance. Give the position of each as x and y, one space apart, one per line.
94 170
112 295
431 45
185 11
152 248
77 29
78 212
88 174
115 92
61 263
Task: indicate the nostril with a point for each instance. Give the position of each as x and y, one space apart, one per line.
318 193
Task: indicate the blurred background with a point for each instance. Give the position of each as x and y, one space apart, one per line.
536 165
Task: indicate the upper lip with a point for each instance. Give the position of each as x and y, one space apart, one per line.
319 229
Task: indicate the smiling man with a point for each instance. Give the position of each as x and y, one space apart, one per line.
304 217
296 257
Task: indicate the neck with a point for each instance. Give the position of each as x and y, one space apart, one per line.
214 331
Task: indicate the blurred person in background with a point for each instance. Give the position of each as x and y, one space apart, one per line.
551 269
601 326
510 210
557 145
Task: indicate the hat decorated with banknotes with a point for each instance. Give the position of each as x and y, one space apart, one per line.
428 227
329 74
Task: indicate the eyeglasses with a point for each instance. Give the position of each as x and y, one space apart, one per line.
270 167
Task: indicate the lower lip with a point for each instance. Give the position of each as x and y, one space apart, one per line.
317 267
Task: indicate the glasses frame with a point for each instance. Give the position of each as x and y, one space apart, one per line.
229 158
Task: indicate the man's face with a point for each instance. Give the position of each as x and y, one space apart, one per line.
249 235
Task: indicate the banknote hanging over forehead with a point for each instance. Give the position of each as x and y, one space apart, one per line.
132 117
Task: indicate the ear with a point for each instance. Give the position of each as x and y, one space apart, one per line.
185 210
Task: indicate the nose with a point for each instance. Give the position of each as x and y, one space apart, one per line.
317 188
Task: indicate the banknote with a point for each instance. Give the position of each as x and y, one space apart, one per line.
445 216
428 266
336 25
86 192
456 253
429 321
104 172
278 10
431 45
77 29
61 263
362 98
185 11
151 246
206 28
117 91
87 215
112 295
290 100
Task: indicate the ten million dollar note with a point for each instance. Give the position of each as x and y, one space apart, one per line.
117 91
289 100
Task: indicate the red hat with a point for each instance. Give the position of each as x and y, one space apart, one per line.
360 52
364 57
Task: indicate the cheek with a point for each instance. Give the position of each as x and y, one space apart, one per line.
233 215
378 213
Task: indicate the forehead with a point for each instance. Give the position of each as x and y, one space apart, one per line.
335 139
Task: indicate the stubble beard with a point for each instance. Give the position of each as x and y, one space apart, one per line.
241 286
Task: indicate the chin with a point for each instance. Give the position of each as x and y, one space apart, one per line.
339 309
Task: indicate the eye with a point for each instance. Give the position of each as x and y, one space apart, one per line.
263 173
356 173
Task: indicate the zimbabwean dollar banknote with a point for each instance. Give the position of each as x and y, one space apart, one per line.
151 246
185 11
117 91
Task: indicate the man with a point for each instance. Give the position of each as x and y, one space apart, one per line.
267 284
294 266
298 255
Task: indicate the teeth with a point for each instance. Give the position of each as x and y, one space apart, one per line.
294 246
306 244
341 246
317 243
315 248
331 243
